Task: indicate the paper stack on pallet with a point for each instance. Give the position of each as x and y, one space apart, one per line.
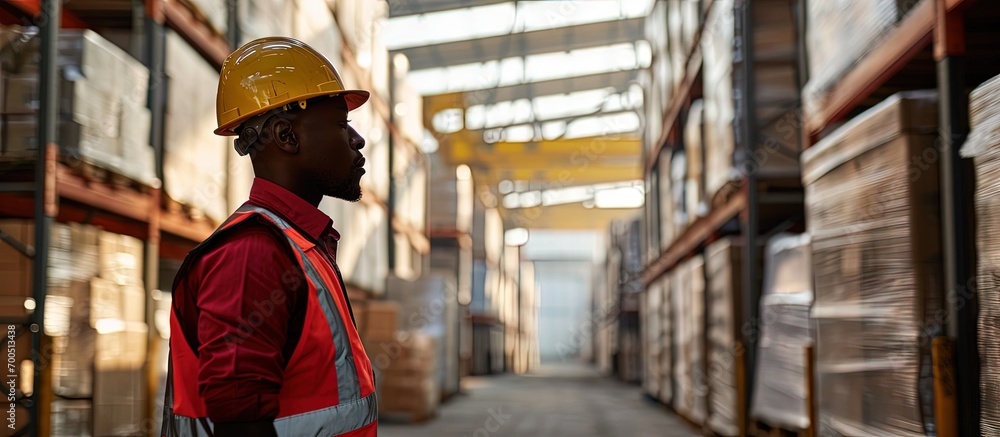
195 160
723 270
873 210
785 329
984 146
687 295
103 119
406 375
841 33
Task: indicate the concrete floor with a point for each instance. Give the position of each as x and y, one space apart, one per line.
555 401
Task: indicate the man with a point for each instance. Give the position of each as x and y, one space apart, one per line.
263 341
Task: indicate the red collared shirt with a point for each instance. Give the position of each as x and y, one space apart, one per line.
248 303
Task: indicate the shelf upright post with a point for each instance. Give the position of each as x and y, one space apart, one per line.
747 126
957 214
45 210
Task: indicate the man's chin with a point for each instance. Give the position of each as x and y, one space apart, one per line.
353 196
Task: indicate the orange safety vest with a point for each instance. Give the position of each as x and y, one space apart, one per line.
328 387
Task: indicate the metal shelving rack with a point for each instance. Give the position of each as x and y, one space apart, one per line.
48 190
929 48
740 213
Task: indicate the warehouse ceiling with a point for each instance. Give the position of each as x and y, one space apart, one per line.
539 98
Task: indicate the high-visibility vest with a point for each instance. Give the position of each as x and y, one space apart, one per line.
328 387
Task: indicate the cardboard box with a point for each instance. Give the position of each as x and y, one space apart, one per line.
121 258
379 320
71 418
723 270
73 363
877 282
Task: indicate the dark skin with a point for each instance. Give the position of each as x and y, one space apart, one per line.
313 153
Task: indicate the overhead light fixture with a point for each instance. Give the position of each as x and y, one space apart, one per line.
619 198
516 237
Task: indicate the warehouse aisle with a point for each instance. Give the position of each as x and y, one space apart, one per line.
563 400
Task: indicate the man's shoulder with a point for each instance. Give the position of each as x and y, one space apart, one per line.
252 244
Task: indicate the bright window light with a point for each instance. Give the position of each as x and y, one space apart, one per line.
502 19
621 123
463 172
619 198
511 71
448 121
516 237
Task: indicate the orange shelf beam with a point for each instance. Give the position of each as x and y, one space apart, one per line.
694 236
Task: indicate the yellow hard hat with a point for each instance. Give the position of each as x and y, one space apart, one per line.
272 72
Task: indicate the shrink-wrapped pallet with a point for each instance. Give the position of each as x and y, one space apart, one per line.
723 271
983 145
194 159
728 156
652 340
840 34
872 202
688 306
785 329
103 119
667 358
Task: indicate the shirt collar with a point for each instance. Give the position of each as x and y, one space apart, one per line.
296 210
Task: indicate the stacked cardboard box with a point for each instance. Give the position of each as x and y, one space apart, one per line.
377 320
982 145
775 94
840 34
652 343
723 273
103 116
430 306
667 352
689 318
785 329
406 372
71 418
872 202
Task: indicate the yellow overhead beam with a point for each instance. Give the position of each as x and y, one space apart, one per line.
566 176
570 216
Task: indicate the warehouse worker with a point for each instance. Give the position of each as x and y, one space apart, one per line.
263 341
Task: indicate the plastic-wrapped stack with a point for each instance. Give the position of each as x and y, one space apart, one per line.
720 111
688 305
415 299
103 119
785 329
195 161
652 340
984 146
723 291
872 202
406 376
840 33
666 374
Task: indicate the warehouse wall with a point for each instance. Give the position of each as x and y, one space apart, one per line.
563 265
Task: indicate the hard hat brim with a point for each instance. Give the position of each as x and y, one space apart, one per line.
353 98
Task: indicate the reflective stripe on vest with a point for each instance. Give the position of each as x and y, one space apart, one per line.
353 414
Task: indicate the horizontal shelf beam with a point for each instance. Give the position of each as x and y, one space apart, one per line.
199 34
695 235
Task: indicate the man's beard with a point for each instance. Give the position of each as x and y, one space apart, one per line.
345 188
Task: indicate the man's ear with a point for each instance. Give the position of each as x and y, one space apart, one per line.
282 135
